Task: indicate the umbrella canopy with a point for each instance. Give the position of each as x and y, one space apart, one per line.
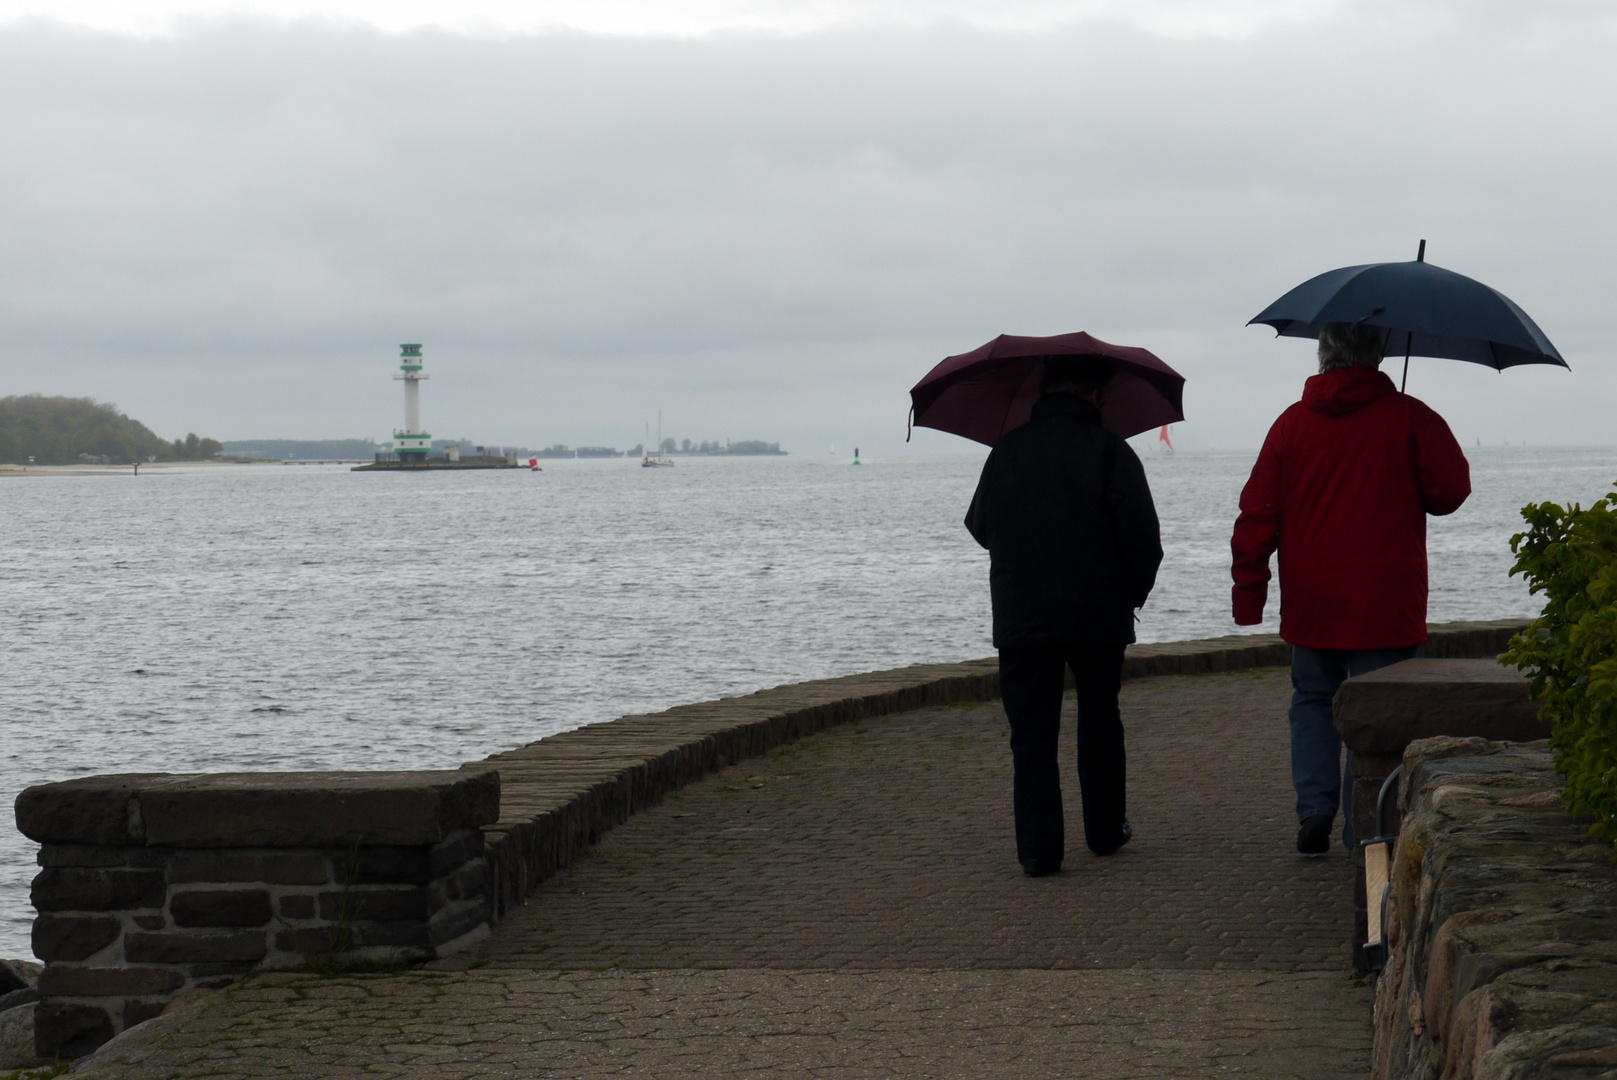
1428 311
984 393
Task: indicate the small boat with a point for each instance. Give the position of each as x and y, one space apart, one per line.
658 462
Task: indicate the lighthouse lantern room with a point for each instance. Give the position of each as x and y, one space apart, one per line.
412 443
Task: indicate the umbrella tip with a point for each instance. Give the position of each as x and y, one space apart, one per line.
1420 256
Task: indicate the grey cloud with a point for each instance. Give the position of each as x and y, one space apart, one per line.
228 230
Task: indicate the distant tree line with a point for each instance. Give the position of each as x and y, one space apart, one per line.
561 450
66 431
684 447
302 449
739 448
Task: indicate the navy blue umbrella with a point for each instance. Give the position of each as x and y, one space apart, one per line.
1427 311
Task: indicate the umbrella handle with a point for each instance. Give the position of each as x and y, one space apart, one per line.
909 424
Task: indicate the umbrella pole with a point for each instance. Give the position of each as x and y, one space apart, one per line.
1409 342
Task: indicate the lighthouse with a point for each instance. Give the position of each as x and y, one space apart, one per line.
412 443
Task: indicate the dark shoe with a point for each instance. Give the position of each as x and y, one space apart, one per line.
1314 835
1040 869
1127 832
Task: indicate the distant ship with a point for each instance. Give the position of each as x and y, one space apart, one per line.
646 460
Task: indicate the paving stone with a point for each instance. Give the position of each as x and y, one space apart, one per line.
696 1025
889 843
850 906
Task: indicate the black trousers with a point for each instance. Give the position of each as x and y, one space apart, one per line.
1031 683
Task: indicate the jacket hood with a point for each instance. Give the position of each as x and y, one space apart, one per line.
1345 390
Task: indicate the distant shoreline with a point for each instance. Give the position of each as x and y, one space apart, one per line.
7 470
118 470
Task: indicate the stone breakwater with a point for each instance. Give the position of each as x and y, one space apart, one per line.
131 918
1502 923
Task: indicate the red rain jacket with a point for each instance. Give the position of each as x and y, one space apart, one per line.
1342 488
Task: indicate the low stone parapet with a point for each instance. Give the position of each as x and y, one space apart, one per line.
1502 923
153 885
1381 713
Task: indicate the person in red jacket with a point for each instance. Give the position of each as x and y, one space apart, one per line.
1342 488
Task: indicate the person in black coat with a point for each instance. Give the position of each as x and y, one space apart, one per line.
1066 515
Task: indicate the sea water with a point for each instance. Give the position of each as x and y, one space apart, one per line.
309 617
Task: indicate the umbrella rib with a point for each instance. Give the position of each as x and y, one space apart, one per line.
1006 417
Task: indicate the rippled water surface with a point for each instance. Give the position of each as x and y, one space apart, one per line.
275 617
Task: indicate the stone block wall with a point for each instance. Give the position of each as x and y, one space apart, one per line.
383 867
1503 923
1381 713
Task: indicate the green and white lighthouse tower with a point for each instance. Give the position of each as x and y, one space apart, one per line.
412 443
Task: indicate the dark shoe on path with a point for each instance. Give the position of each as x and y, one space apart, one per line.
1127 832
1314 835
1040 869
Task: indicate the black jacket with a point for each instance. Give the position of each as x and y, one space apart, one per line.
1072 537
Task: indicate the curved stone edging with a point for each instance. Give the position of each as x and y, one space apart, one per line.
561 794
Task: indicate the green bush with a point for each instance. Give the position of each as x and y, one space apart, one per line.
1570 652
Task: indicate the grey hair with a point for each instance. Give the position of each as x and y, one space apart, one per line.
1344 345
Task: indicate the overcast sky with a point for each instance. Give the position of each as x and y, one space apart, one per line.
770 219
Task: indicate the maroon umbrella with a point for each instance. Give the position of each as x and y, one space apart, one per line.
989 391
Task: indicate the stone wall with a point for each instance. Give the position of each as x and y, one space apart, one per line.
1381 713
1502 924
155 885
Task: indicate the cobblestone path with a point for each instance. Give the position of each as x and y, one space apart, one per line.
850 906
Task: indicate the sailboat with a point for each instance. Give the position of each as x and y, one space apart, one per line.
646 460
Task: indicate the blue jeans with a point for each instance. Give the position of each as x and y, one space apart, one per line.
1317 771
